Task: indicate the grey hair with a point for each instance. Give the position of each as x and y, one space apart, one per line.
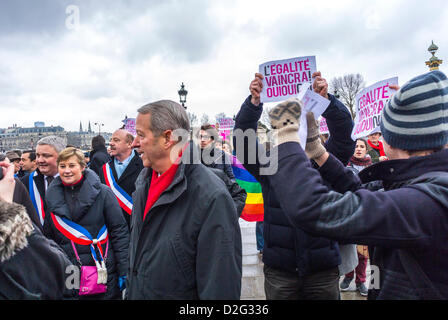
56 142
165 115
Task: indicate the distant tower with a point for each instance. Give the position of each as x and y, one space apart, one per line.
433 62
90 128
80 126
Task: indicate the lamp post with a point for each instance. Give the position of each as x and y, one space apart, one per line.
182 95
99 127
433 62
336 94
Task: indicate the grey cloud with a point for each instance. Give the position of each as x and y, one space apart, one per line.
350 33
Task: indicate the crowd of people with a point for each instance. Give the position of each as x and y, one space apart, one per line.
156 216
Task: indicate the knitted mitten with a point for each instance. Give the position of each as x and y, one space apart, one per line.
313 149
285 120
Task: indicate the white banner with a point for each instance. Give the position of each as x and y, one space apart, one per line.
283 79
369 104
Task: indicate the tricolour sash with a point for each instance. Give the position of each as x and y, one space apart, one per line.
123 198
80 235
36 199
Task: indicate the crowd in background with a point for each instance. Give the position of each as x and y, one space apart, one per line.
137 221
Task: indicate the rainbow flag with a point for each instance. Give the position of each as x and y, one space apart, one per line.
253 210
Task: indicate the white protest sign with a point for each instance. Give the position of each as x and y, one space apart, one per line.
369 104
312 102
283 79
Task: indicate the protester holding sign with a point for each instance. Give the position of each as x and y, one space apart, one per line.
408 225
296 264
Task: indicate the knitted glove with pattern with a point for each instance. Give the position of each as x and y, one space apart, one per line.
285 121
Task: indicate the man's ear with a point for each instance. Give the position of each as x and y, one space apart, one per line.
168 137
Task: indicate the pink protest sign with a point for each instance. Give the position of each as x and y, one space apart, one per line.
130 126
323 128
283 79
369 104
225 126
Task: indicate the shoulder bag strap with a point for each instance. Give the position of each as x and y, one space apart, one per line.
76 253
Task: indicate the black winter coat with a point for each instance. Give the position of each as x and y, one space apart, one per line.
189 245
31 266
213 157
39 180
127 178
286 247
97 159
238 194
91 205
22 197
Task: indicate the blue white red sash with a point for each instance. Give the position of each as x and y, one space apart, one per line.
36 199
80 235
123 198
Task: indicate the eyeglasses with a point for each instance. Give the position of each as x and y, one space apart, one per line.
204 137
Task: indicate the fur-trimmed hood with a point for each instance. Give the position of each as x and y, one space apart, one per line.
15 227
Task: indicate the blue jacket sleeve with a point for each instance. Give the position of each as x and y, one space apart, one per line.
340 126
398 218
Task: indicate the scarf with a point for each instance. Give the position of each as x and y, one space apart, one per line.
360 162
379 147
158 185
161 183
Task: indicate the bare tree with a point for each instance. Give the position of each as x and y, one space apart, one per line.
347 87
193 118
220 115
205 119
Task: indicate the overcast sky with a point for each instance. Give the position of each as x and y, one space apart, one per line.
124 54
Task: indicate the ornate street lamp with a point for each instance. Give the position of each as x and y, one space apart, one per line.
183 95
99 127
433 62
336 94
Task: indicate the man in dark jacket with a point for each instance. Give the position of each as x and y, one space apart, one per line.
407 223
37 182
122 171
211 156
99 155
185 238
26 253
296 264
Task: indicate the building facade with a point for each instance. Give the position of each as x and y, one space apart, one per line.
26 138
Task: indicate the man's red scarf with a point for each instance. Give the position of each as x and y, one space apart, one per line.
160 183
380 147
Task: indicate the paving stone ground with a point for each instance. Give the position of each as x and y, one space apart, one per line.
252 286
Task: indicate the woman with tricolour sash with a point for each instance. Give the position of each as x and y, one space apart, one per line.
85 219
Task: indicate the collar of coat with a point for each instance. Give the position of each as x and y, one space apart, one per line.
16 226
88 193
190 158
395 171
